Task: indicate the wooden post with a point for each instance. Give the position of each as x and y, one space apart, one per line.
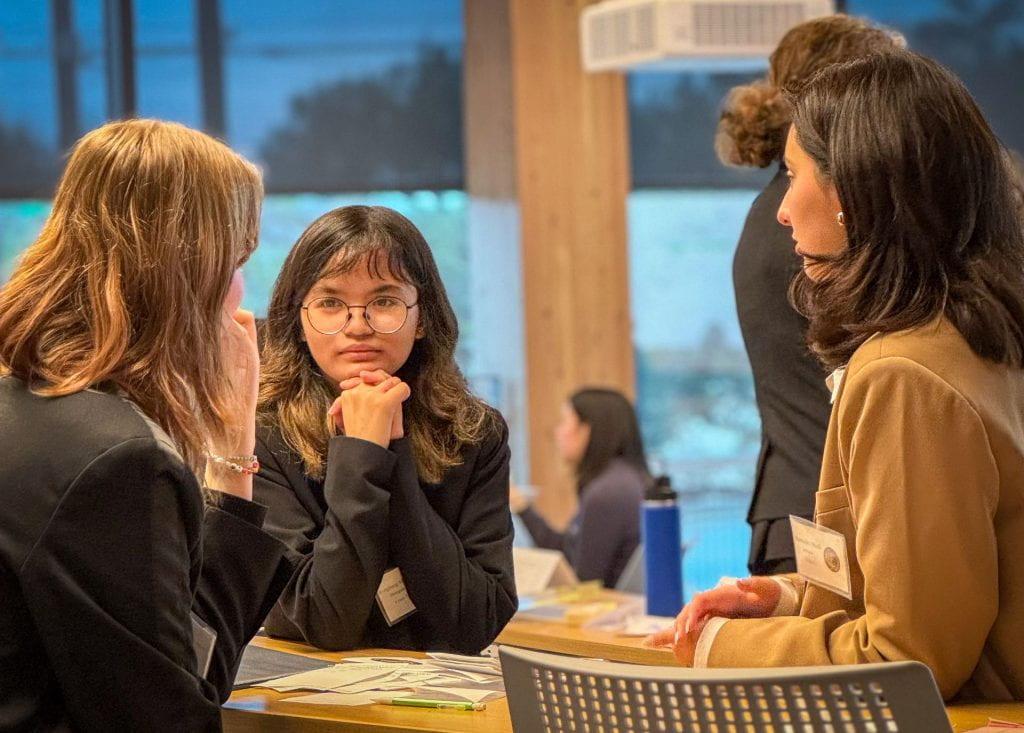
553 139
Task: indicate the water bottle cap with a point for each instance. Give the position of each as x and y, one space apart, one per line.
660 489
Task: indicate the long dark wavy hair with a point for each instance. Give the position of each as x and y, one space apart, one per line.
441 416
614 433
931 209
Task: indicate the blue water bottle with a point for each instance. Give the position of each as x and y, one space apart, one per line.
663 555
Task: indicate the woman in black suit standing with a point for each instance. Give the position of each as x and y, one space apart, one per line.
128 376
789 383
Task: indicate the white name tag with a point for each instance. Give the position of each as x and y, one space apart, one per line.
821 556
393 598
834 382
204 638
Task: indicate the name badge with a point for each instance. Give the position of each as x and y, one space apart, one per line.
821 556
834 382
204 638
392 597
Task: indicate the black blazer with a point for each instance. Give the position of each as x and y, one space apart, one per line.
452 542
105 549
789 382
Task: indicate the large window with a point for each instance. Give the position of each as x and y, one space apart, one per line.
353 100
695 393
28 119
359 101
694 390
338 101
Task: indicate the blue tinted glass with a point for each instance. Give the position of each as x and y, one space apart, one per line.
167 65
347 95
28 108
20 222
439 215
695 393
91 65
327 96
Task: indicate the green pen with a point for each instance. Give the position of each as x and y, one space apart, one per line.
418 702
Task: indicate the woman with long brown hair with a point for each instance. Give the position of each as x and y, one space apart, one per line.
903 210
376 462
788 381
126 372
599 436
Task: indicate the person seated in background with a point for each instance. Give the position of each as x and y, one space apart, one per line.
901 205
599 436
127 372
789 383
377 464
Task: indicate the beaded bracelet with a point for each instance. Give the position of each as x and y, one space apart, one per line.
239 464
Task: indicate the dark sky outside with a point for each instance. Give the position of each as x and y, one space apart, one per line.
276 52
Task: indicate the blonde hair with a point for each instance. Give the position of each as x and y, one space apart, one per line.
755 117
125 285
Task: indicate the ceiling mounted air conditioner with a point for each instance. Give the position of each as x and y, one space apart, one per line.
671 34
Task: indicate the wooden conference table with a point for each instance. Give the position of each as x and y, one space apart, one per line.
277 715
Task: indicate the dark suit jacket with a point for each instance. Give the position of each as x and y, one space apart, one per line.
788 381
106 548
452 541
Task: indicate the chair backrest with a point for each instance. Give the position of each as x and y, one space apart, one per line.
632 578
549 693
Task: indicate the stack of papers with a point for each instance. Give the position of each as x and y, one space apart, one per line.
259 665
645 625
365 680
585 604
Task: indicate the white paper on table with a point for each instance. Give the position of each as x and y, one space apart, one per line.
395 674
391 662
365 675
336 698
646 625
485 663
496 683
440 680
468 675
470 672
536 570
488 683
329 678
373 685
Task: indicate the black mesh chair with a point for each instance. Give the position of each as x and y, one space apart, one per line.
550 693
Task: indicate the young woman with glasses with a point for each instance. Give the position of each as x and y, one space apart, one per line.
376 462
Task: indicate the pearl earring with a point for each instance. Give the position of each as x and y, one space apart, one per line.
841 219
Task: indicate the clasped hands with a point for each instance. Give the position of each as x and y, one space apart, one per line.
754 597
370 407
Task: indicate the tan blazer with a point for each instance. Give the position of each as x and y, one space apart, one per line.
923 473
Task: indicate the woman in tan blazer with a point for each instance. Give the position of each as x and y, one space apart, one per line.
902 206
